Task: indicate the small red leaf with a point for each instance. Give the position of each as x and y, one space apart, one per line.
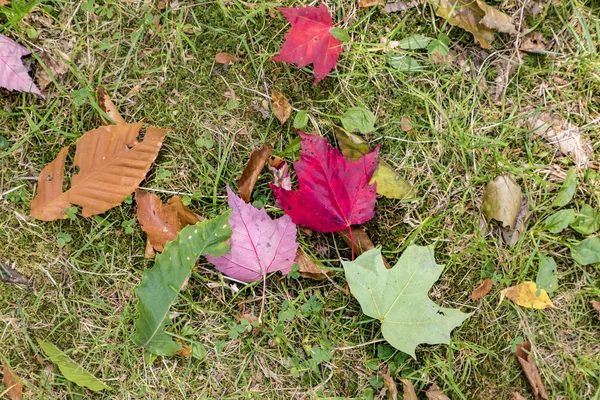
334 192
309 40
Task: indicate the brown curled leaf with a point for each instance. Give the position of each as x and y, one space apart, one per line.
251 172
482 290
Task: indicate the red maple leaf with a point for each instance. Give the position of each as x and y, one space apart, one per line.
334 192
309 40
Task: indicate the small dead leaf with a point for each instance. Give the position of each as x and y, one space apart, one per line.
409 390
482 289
405 124
162 5
226 58
230 94
248 317
562 134
56 68
401 6
370 3
517 396
511 236
4 3
527 295
281 106
476 17
390 385
435 393
14 387
9 274
533 42
506 67
362 242
596 305
185 352
149 251
523 354
308 267
502 200
252 171
109 108
185 215
280 171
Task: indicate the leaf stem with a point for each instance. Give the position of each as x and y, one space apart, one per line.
264 295
351 241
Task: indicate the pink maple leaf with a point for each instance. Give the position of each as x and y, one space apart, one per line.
334 192
309 40
13 74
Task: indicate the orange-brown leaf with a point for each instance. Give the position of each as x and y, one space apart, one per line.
523 354
362 242
370 3
158 220
185 352
109 108
390 385
14 387
596 305
111 165
185 215
409 390
226 58
435 393
308 267
252 171
482 289
281 106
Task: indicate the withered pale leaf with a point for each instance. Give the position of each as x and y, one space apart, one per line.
14 387
149 251
562 134
251 172
109 108
409 390
523 354
401 6
533 42
435 393
308 267
596 305
517 396
111 165
370 3
390 385
482 289
527 294
226 58
502 200
405 124
56 68
281 106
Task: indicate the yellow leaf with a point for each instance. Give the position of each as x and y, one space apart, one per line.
526 295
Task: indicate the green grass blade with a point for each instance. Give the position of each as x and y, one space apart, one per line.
161 285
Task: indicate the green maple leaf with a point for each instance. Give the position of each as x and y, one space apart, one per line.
398 297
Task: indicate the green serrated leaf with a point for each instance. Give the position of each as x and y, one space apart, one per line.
161 285
567 190
358 118
301 119
559 221
414 42
340 34
398 298
70 369
545 277
587 251
587 221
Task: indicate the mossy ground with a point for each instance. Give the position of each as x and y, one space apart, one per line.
159 67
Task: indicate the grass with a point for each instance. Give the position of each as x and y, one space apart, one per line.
315 342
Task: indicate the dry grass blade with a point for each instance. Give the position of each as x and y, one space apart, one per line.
109 108
111 165
251 172
531 372
14 388
482 289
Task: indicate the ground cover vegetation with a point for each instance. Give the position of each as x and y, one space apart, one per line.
346 199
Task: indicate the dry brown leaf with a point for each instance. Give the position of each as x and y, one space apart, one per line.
362 242
517 396
4 3
435 393
149 251
308 267
248 317
370 3
476 17
9 274
226 58
390 385
596 305
109 108
251 172
562 134
281 106
14 388
482 289
185 352
162 5
505 70
533 42
401 6
56 68
511 236
405 124
111 163
523 354
409 390
162 222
